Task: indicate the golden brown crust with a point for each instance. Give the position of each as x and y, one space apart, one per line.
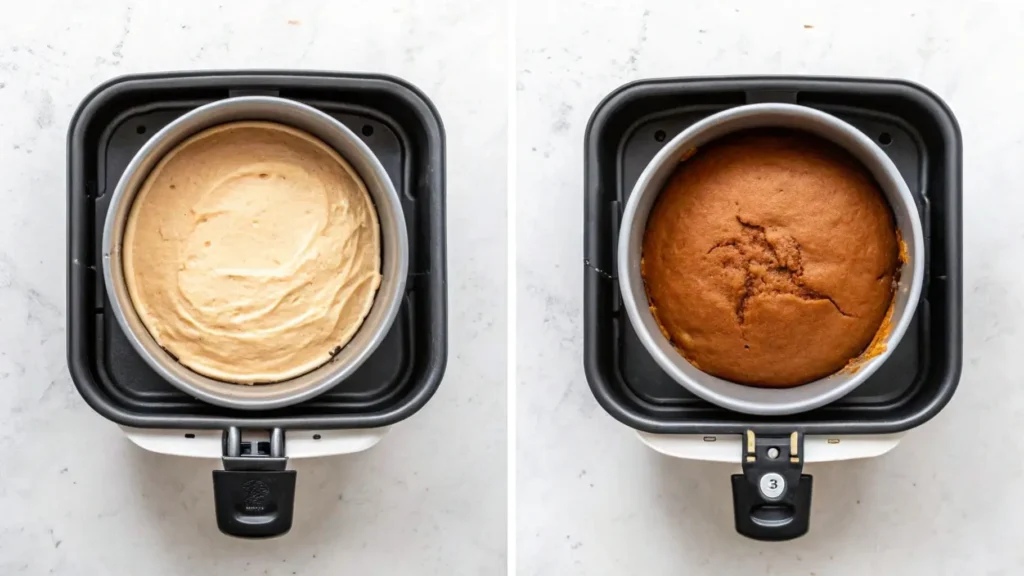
770 258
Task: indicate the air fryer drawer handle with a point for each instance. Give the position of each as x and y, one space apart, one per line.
254 495
254 504
772 498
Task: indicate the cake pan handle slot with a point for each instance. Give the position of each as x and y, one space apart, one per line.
254 495
772 498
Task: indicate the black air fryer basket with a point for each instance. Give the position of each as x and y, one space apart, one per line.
403 130
921 136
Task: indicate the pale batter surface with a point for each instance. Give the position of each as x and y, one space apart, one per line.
252 252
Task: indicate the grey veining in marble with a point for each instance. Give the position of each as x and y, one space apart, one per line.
592 499
77 497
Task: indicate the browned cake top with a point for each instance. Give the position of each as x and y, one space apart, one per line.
770 258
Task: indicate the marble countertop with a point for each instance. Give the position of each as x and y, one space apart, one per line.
591 498
78 498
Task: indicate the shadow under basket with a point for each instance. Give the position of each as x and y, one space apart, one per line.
921 136
404 131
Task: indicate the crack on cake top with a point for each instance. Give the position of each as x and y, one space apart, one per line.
769 266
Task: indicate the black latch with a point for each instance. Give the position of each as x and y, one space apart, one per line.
772 498
254 495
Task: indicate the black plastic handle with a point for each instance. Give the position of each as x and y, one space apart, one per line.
772 498
254 503
758 518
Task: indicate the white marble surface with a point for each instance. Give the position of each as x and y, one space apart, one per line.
592 499
77 497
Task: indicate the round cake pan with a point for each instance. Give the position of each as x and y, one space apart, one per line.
394 243
730 395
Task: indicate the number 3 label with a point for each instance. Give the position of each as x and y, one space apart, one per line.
772 485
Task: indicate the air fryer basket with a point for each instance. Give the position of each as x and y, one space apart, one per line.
920 135
402 128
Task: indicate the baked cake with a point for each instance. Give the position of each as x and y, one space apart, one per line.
770 258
